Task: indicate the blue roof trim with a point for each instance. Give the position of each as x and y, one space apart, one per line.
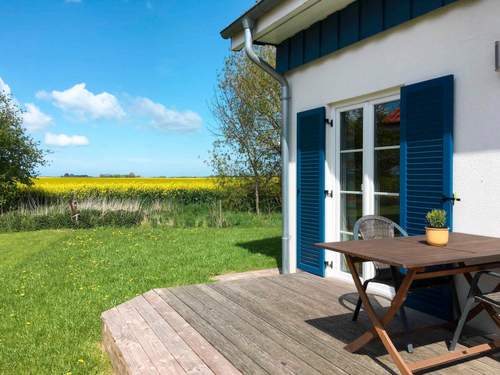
359 20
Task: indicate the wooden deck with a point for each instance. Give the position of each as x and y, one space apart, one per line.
279 325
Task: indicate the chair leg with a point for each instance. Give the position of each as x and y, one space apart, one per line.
358 304
402 312
461 323
456 304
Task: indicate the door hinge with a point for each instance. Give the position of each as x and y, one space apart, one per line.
329 264
329 122
329 193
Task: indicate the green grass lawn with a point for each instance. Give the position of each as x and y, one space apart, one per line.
56 283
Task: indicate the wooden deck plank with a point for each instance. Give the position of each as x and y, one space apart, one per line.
422 348
290 322
278 336
259 347
279 346
210 356
182 353
335 320
131 357
305 281
277 324
161 358
240 360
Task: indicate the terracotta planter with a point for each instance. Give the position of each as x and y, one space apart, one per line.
437 236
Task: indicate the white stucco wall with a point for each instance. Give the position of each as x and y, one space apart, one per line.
459 40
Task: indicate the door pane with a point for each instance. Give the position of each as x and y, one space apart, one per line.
387 118
345 268
387 206
351 209
351 169
387 170
351 129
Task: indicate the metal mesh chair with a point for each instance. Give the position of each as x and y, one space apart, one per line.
373 227
475 295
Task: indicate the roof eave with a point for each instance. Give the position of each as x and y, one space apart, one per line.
253 13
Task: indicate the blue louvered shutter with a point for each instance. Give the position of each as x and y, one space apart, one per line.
426 169
310 190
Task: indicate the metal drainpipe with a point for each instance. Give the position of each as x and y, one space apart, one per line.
285 100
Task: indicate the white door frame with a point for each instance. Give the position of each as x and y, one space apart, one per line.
332 178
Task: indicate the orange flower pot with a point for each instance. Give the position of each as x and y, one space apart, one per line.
437 236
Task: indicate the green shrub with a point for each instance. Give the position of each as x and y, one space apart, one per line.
436 219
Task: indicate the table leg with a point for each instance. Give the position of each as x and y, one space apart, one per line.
379 325
396 304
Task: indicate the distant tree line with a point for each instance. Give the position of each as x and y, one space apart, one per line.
109 175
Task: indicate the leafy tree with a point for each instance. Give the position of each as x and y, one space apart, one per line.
247 111
20 155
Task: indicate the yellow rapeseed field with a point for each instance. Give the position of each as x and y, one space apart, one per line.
65 184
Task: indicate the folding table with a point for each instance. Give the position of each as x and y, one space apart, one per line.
465 253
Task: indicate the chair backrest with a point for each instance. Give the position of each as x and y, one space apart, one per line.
373 227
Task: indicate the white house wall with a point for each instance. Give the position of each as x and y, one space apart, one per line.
457 40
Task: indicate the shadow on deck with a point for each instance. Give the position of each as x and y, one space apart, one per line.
282 324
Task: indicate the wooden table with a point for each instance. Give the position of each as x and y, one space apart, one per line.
415 255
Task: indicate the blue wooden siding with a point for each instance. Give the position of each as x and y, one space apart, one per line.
310 190
312 40
421 7
396 12
296 50
329 28
359 20
349 25
426 170
372 17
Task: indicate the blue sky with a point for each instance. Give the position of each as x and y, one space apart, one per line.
117 86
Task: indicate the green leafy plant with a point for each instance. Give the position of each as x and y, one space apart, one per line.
436 219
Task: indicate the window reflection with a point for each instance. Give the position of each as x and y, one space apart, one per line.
387 121
351 136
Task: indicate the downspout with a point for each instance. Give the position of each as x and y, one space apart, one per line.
285 101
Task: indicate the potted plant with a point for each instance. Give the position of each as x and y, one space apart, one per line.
436 232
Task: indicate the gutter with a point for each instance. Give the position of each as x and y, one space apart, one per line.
247 24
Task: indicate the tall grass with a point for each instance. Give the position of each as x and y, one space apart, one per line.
98 212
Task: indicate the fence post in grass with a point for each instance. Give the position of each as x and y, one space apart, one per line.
75 213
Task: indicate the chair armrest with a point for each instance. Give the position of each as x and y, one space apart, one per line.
475 281
493 274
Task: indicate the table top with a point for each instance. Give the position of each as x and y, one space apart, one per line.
414 252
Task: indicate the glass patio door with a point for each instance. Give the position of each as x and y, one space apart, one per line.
367 168
351 173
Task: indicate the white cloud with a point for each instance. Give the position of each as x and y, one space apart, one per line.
34 119
164 118
63 140
83 103
4 87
